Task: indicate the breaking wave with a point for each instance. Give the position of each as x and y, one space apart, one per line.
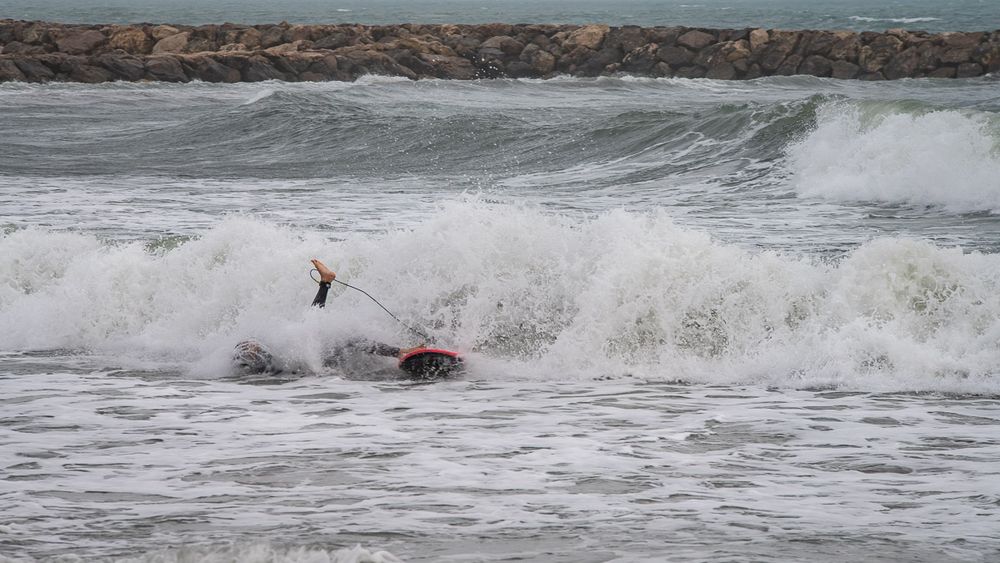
526 294
876 152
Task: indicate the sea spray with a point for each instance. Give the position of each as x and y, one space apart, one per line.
530 293
900 154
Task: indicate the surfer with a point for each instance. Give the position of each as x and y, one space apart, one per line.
251 357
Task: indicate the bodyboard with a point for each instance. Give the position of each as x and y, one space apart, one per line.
431 363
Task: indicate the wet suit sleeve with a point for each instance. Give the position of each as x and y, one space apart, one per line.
320 299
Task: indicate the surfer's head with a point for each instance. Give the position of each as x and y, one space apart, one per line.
249 356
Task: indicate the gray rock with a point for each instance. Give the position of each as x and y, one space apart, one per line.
123 66
816 65
844 70
874 56
642 59
944 72
208 69
903 65
675 56
79 42
968 70
9 71
18 48
34 70
627 38
789 66
166 69
456 68
89 74
258 69
696 39
172 44
722 71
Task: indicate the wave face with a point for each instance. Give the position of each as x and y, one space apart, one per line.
621 293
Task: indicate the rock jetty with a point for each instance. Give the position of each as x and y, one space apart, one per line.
41 52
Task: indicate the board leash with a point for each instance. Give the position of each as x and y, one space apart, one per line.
408 327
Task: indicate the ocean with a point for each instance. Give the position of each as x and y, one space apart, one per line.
703 320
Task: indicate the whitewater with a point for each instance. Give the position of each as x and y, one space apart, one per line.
739 321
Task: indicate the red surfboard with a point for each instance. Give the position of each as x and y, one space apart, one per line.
431 363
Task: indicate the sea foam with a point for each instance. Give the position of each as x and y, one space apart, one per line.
879 153
525 294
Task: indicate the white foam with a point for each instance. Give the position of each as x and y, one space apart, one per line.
527 294
942 158
895 20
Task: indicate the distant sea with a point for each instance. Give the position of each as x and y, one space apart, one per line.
931 15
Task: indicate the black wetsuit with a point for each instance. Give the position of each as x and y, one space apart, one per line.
252 358
361 344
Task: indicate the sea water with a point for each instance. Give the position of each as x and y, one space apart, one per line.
726 321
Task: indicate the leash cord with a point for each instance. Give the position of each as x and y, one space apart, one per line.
410 328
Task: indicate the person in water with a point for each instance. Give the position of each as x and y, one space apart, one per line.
251 358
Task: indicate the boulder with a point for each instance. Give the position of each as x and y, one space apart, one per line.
89 74
123 66
78 42
816 65
271 36
789 66
589 36
456 68
34 70
503 44
988 55
758 38
18 48
968 70
249 37
845 47
208 69
163 31
943 72
844 70
598 63
675 56
696 40
903 65
874 56
172 44
721 71
131 40
166 69
642 59
9 71
259 68
627 38
772 55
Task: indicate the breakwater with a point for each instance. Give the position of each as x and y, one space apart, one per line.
42 52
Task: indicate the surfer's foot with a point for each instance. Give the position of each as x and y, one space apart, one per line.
326 275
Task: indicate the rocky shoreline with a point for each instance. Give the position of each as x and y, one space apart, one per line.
43 52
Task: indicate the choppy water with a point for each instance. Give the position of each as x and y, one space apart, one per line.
704 320
957 15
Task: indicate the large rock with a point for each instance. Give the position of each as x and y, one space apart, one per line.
627 38
589 36
903 65
131 40
88 74
10 72
259 69
206 68
34 70
758 38
456 68
18 48
175 43
675 56
79 42
163 31
123 66
641 60
968 70
721 71
816 65
772 54
844 70
875 55
166 69
696 40
845 47
503 44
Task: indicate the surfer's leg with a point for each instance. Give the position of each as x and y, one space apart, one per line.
326 277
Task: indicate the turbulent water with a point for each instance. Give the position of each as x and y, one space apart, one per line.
932 15
736 321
